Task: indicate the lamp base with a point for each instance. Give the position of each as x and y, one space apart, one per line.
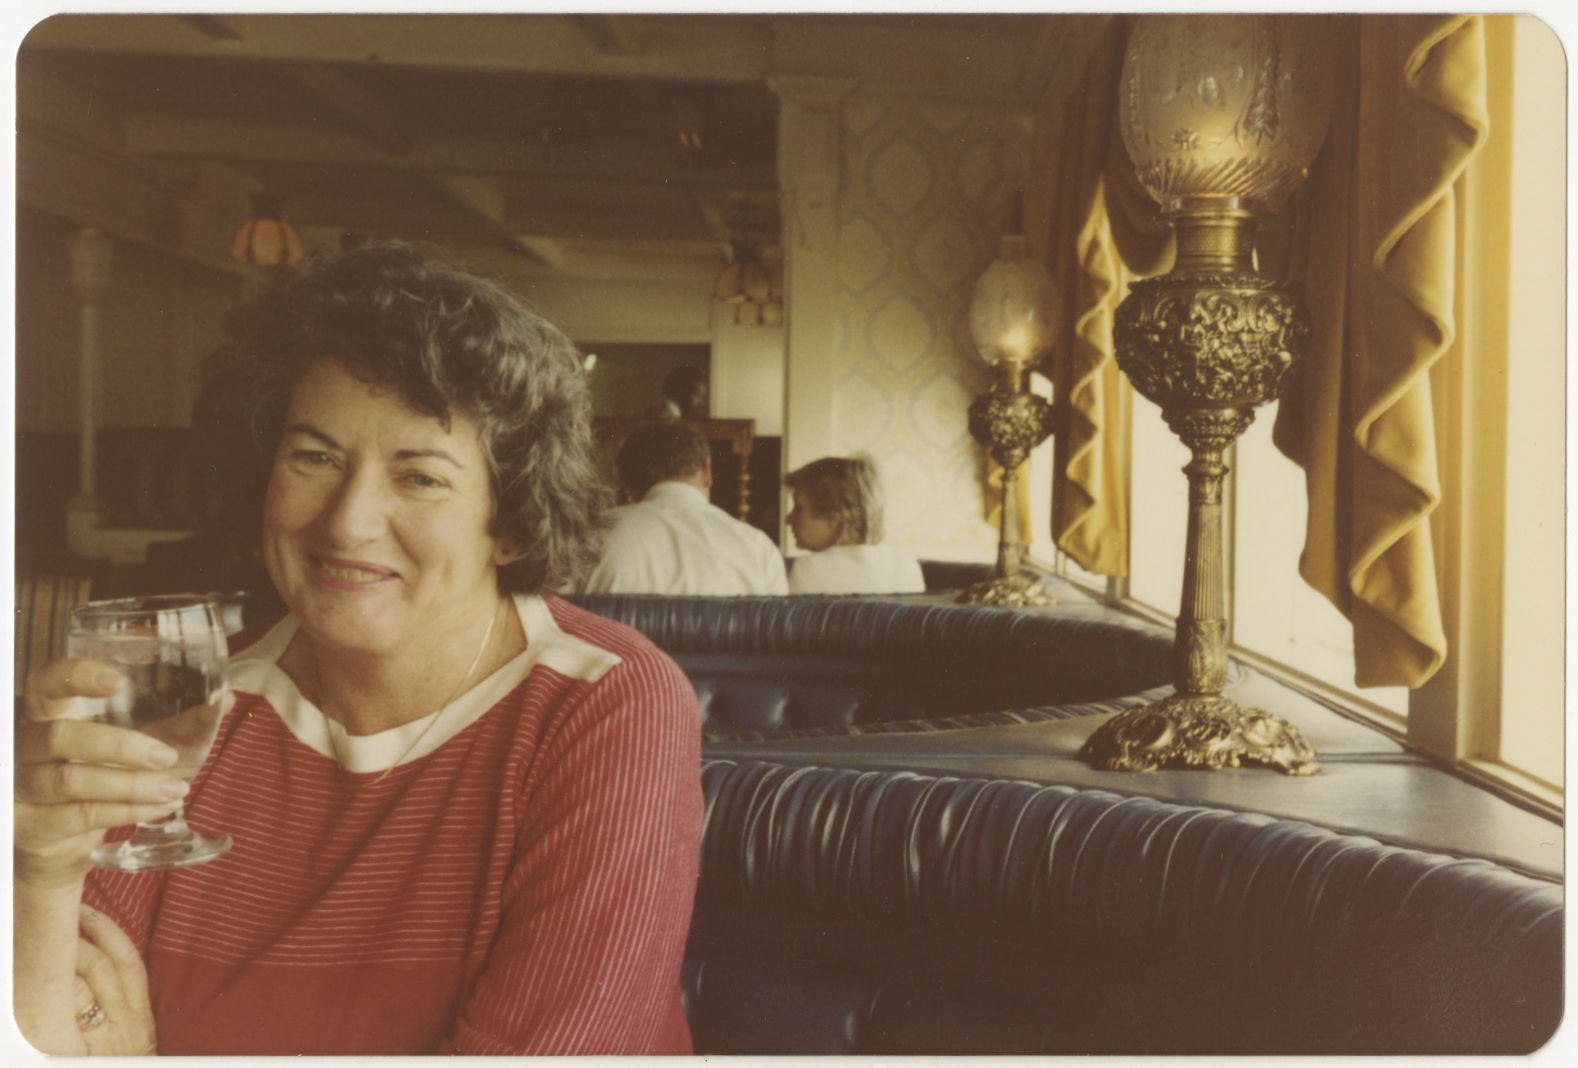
1016 591
1198 731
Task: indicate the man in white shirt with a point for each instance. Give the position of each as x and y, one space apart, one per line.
672 539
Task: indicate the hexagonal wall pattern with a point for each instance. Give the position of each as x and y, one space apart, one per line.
865 255
949 253
864 410
900 176
927 192
901 333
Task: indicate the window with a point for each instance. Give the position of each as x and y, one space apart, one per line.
1275 612
1272 611
1158 509
1513 364
1533 639
1496 707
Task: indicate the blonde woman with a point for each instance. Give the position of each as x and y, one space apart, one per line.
837 519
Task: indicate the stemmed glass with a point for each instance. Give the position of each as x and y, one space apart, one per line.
172 651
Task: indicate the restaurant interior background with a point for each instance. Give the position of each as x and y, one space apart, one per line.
802 205
612 169
608 168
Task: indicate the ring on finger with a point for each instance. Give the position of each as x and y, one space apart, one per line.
91 1017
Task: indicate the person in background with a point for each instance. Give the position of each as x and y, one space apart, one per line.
837 519
684 395
466 813
671 539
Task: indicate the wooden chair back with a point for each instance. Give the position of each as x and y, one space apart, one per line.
46 592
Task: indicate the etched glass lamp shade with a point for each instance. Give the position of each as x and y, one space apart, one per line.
1012 315
1013 308
1226 110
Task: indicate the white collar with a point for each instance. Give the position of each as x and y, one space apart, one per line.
255 670
678 493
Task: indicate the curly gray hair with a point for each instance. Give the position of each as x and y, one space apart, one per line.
447 342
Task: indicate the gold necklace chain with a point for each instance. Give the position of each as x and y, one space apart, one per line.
433 718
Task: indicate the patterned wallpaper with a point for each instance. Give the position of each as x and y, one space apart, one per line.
925 192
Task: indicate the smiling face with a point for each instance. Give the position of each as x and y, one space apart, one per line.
375 523
812 532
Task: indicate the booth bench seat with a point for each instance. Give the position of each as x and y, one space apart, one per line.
903 854
776 667
843 911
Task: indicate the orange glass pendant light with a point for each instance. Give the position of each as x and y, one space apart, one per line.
266 240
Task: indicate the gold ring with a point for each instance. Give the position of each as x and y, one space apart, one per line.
91 1017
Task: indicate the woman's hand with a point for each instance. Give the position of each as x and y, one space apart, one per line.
113 1012
76 779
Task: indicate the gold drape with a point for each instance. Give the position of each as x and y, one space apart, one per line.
1373 240
1091 223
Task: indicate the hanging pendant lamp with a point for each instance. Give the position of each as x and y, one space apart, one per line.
266 240
747 286
742 278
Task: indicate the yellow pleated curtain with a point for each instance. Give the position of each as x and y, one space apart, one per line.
1088 218
1372 240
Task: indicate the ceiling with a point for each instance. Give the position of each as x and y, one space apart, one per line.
557 138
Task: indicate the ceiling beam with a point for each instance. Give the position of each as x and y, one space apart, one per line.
612 35
412 218
907 56
610 160
610 225
673 47
968 59
214 26
709 204
50 102
342 96
548 250
70 181
482 197
438 219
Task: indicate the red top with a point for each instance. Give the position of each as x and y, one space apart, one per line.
524 888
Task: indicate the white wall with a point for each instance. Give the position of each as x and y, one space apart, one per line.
748 373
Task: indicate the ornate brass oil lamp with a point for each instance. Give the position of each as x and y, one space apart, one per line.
1222 116
1011 322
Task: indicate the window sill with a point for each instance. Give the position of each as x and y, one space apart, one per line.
1527 792
1533 793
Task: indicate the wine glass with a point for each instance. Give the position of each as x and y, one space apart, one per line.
172 650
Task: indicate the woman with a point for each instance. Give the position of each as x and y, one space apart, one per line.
837 518
466 815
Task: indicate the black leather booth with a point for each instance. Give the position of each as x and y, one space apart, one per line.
843 911
780 667
877 879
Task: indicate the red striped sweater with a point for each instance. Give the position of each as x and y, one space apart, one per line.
526 887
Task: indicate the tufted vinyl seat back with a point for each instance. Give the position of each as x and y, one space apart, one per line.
889 912
769 666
